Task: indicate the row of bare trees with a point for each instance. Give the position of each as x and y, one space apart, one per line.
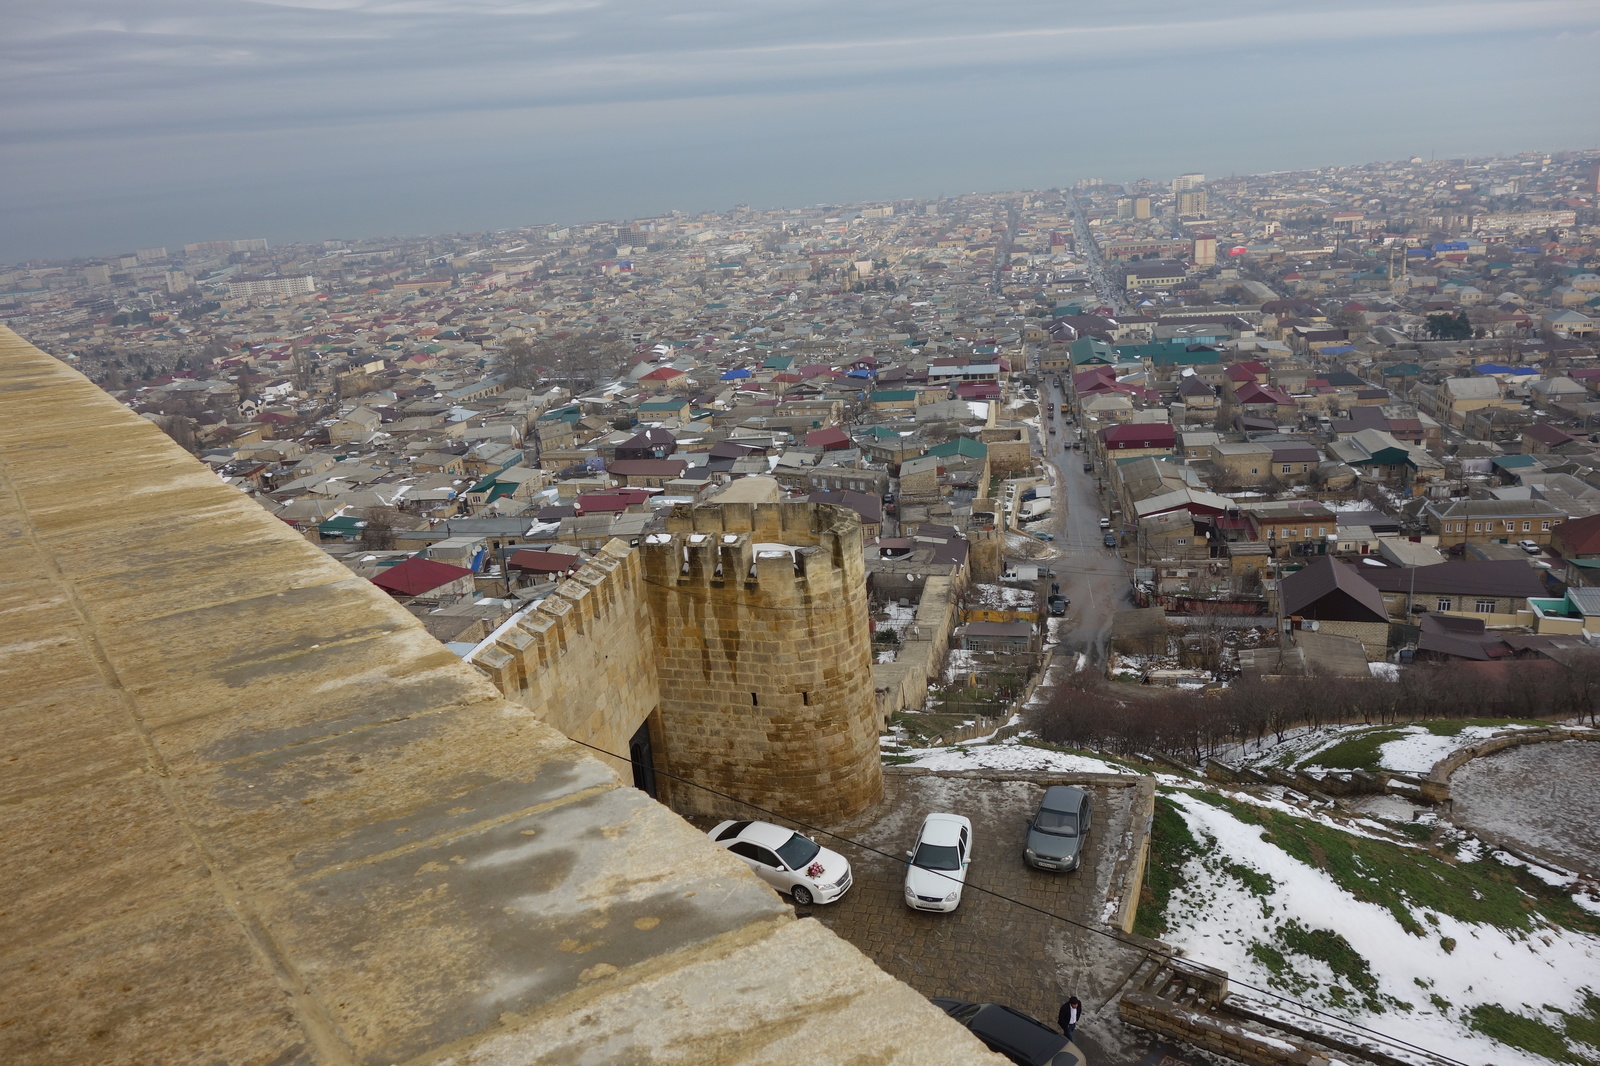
574 359
1192 726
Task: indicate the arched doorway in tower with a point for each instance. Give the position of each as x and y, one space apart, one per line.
642 749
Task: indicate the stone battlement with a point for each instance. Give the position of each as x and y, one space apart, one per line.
260 815
783 554
537 638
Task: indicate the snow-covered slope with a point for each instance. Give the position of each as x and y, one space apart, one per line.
1343 931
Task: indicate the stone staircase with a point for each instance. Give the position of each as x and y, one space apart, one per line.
1192 1003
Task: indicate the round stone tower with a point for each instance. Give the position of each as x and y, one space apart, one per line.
765 660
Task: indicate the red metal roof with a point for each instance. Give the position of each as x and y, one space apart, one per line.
418 575
539 562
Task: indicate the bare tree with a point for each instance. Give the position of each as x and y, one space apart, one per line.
517 359
378 532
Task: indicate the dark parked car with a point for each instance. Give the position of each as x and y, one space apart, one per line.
1021 1039
1056 832
1088 466
1058 606
1111 540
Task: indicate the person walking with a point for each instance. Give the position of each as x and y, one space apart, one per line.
1069 1014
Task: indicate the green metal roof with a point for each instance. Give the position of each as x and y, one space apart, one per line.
344 525
961 446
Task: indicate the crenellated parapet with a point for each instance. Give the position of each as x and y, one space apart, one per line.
584 657
781 555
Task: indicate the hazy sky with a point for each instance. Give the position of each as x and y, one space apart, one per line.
129 123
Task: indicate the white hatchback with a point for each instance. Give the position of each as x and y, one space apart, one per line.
787 861
938 867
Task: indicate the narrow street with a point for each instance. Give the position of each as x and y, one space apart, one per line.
1092 576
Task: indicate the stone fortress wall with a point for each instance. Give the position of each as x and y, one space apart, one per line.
739 638
584 659
254 813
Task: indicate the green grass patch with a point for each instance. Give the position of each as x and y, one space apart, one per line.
1270 957
1421 832
1255 882
1171 845
1520 1031
1584 1028
1360 752
1342 959
1452 727
893 758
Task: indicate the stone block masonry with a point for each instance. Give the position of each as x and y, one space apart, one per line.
765 659
584 659
741 635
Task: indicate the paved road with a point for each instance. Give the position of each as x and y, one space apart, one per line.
1108 288
989 949
1092 576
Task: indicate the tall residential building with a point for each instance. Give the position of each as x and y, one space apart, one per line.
1185 182
253 244
1141 207
1192 203
246 285
97 274
1205 249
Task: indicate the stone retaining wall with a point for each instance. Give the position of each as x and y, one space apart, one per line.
1210 1033
1436 786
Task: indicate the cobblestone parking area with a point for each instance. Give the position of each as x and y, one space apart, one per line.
990 949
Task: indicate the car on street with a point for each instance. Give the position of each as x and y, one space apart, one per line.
786 860
1088 466
1529 546
1105 523
1023 1039
1110 540
937 869
1057 829
1058 606
1045 536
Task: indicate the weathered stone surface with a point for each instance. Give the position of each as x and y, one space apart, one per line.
253 813
799 996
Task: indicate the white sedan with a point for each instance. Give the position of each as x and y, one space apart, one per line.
938 867
787 861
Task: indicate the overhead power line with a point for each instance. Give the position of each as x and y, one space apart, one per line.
1307 1009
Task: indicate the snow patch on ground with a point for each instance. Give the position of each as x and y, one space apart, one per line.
1417 751
1216 920
1012 756
1420 749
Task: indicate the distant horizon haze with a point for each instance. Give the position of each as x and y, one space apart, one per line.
304 120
